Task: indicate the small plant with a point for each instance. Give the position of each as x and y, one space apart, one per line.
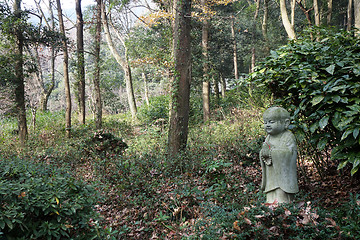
39 201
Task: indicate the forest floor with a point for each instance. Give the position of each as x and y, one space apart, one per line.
209 192
169 208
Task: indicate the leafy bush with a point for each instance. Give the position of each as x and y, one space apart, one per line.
39 201
318 81
157 109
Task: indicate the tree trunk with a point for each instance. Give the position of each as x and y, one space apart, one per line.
264 26
236 71
205 54
253 36
66 71
293 3
180 84
349 15
123 62
285 19
216 89
223 85
146 88
97 90
253 60
19 75
329 12
357 13
316 13
80 61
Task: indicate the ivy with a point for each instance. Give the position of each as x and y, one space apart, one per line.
318 82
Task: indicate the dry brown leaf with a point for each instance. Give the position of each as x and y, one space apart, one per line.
247 221
236 226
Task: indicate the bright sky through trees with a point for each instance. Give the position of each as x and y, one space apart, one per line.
68 6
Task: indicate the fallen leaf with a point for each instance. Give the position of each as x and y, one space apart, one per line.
236 226
247 221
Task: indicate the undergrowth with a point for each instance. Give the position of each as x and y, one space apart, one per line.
208 192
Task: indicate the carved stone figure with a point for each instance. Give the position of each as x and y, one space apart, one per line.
278 157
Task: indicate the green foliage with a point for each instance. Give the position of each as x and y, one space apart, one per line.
246 96
318 82
348 216
286 221
39 201
158 109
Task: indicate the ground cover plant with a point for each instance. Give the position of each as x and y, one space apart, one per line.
41 201
209 192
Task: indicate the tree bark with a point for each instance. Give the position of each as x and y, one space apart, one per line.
253 56
146 88
97 90
253 60
316 13
293 3
216 89
19 75
66 71
205 54
329 11
264 26
123 62
223 85
180 84
349 15
236 70
80 61
357 14
285 19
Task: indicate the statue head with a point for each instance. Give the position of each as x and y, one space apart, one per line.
276 120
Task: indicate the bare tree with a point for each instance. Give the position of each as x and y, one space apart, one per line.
80 61
122 60
285 19
97 90
45 88
66 70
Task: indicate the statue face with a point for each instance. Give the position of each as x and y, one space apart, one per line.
274 127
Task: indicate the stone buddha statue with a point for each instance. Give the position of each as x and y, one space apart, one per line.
278 157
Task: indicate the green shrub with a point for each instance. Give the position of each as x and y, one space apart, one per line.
158 108
38 201
348 217
318 81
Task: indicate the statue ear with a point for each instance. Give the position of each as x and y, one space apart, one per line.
287 123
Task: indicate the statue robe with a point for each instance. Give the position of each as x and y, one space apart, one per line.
281 173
